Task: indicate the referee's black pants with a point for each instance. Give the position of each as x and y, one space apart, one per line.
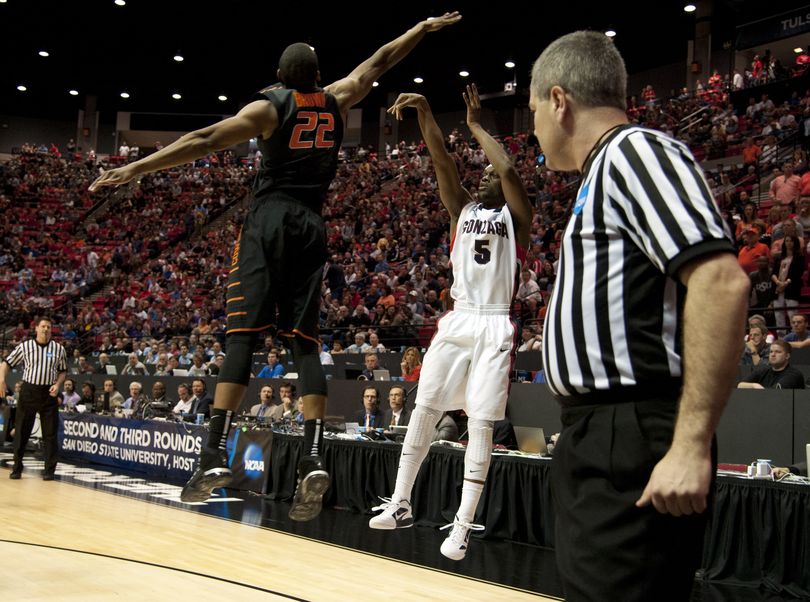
36 399
608 549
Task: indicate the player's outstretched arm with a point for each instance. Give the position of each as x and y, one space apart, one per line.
258 118
354 87
513 189
451 192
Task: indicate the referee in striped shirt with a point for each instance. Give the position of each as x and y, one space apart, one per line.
45 367
641 335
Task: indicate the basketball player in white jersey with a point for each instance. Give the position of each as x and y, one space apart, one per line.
468 363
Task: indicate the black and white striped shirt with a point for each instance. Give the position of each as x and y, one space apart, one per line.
643 211
42 363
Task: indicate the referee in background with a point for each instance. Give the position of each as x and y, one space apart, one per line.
642 335
45 367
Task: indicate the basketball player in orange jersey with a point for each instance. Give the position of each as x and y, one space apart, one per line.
282 246
469 359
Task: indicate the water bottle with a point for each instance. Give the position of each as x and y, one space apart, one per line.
200 418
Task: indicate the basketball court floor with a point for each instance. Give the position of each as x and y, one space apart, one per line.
93 534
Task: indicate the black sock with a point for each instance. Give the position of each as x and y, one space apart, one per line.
313 437
218 429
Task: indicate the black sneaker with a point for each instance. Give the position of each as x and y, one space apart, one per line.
212 472
47 476
16 473
313 481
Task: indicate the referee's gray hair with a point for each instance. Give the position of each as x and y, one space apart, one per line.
585 64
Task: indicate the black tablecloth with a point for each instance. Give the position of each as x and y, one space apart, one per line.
516 504
757 535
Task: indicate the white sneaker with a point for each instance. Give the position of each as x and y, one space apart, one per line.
394 515
456 544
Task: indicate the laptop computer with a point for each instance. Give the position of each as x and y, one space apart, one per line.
179 372
381 375
111 369
531 440
399 430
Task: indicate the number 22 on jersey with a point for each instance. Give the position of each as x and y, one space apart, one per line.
309 122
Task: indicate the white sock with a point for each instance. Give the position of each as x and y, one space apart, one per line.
417 442
476 466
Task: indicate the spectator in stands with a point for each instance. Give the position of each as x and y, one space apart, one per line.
374 343
103 362
528 287
135 399
785 188
337 348
197 368
273 369
70 398
370 416
752 249
751 153
763 287
265 406
286 409
532 341
200 401
88 397
788 272
83 367
799 335
214 366
326 357
360 345
397 414
112 400
372 363
134 366
779 374
411 364
185 403
446 429
757 348
159 393
746 221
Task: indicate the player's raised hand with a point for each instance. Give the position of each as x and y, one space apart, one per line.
436 23
407 99
473 102
113 177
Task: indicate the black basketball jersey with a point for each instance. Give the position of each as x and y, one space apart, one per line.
300 158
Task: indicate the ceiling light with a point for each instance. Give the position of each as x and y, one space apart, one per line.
418 80
610 33
73 92
464 73
222 97
798 50
375 84
21 88
124 94
690 8
120 2
176 96
509 64
178 57
44 53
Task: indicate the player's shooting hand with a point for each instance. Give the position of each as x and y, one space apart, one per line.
436 23
679 483
2 388
473 102
113 177
404 100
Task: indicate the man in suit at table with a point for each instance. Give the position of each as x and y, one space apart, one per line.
265 406
371 416
397 414
201 404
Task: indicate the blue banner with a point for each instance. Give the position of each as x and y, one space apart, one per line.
159 449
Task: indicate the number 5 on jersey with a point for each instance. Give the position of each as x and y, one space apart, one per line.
320 123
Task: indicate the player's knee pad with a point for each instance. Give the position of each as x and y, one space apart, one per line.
308 363
236 367
479 448
422 425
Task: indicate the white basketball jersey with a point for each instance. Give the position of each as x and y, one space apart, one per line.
485 256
